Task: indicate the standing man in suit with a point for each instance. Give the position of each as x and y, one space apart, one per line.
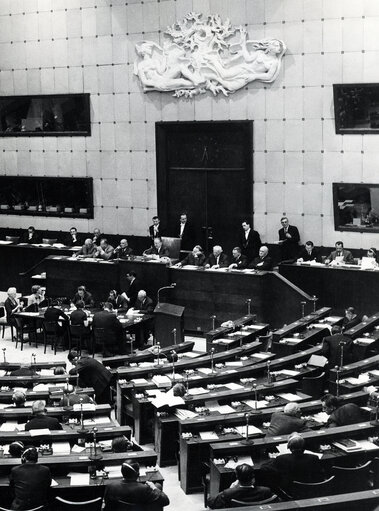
332 348
142 331
250 241
134 287
155 230
309 253
113 332
263 262
339 255
239 261
217 259
185 233
289 238
92 373
31 236
72 239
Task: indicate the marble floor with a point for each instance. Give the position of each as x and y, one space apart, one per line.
178 500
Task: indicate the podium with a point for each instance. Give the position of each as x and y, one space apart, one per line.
168 317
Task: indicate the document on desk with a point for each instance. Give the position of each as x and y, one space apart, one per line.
40 432
288 372
288 396
86 407
9 426
170 400
78 479
115 471
374 372
321 417
184 414
234 363
260 355
233 386
204 370
251 403
252 430
197 391
54 483
139 381
208 435
61 448
77 449
46 372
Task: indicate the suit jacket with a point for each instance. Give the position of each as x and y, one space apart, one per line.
350 323
145 306
87 299
132 292
135 493
187 237
110 323
241 262
313 256
92 374
223 260
119 303
264 264
123 253
331 349
97 239
290 246
70 242
287 468
162 252
160 232
34 239
106 253
283 424
78 317
87 251
250 246
55 314
30 484
246 493
194 261
349 413
347 256
43 421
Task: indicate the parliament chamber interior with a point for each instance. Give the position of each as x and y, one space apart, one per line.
189 315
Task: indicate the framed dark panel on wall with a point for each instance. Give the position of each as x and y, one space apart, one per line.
70 197
51 115
356 207
356 108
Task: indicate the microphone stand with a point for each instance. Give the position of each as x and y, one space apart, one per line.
314 300
342 344
187 396
247 440
269 382
171 286
174 334
34 358
158 345
337 381
5 360
248 301
95 456
82 430
302 310
212 361
213 318
173 354
375 422
255 411
77 384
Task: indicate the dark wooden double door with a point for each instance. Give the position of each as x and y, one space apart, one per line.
205 170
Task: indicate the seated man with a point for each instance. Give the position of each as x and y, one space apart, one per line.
332 348
351 319
88 249
286 422
142 331
144 303
157 251
122 444
242 489
72 239
296 466
113 332
263 262
30 482
18 399
118 301
104 250
97 236
84 296
217 259
194 258
92 373
123 251
309 253
239 261
130 490
339 255
30 236
54 314
24 370
78 316
40 420
16 449
341 415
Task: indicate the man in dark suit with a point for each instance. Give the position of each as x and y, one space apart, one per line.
91 374
263 262
341 414
194 258
78 317
89 249
217 259
332 347
309 253
155 230
54 314
351 319
30 482
123 251
134 287
157 251
31 236
340 255
185 233
40 420
249 241
143 330
72 239
289 238
113 333
97 236
144 303
242 489
83 295
239 261
286 422
147 495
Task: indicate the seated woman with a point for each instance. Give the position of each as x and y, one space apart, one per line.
370 261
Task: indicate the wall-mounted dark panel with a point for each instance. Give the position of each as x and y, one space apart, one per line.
356 108
356 207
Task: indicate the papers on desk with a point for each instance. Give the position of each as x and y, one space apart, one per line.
288 372
184 414
2 373
139 381
233 386
362 378
40 432
322 325
3 405
86 407
288 396
77 449
115 471
283 449
348 445
208 435
197 391
106 445
204 370
96 420
9 426
252 430
223 409
251 403
321 417
374 372
46 372
58 245
162 399
61 448
146 364
333 319
260 355
78 479
54 483
30 314
4 242
152 392
241 460
364 340
234 363
161 381
192 354
223 341
41 387
252 327
367 445
290 341
190 267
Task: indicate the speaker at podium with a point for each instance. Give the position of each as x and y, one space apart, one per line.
169 324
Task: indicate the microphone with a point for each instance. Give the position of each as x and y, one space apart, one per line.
247 440
171 286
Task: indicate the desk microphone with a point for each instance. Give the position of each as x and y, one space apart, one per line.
171 286
5 360
342 344
247 440
337 381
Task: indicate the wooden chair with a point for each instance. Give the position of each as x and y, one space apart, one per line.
24 327
313 385
51 334
4 321
310 490
352 479
77 333
87 505
241 503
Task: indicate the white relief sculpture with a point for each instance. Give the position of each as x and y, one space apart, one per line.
198 57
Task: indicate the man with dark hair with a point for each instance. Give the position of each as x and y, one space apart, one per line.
24 370
309 253
113 332
339 255
31 236
289 238
333 345
54 314
147 495
239 261
351 319
78 316
29 482
157 251
194 258
134 287
72 238
40 420
155 230
341 414
91 374
249 240
242 489
185 233
83 295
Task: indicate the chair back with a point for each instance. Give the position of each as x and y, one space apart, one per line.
39 508
87 505
241 503
310 490
122 505
77 331
13 239
375 469
352 479
49 241
50 327
313 385
173 245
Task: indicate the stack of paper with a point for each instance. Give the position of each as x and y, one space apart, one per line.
139 381
167 399
208 435
197 391
260 355
184 414
114 471
61 448
204 370
288 396
252 430
234 386
86 407
40 432
161 381
251 403
9 426
78 479
223 341
288 372
321 417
